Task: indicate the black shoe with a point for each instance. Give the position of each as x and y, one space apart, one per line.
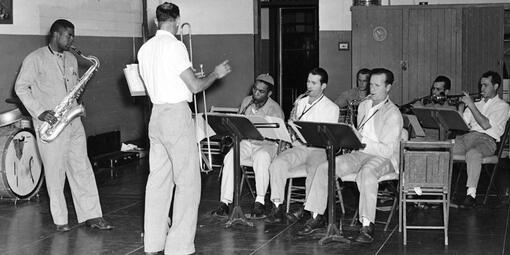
222 210
259 211
99 223
469 202
366 234
276 215
312 225
63 228
296 215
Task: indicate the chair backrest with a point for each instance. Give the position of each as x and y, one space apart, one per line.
503 140
426 165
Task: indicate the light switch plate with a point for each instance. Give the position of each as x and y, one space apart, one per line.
343 46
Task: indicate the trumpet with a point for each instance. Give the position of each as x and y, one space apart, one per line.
453 100
208 161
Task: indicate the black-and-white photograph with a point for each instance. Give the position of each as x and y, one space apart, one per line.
255 127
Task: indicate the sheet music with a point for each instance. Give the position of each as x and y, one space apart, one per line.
134 81
201 126
279 133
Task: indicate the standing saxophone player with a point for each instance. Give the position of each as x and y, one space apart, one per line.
46 77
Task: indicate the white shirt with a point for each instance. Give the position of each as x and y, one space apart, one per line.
321 110
161 61
367 127
496 110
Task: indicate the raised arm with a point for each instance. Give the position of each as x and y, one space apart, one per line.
196 85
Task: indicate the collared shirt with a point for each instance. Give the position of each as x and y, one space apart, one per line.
162 59
45 78
382 136
496 110
321 110
367 125
270 108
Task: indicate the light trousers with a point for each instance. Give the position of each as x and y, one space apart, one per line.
474 146
173 162
288 160
369 169
256 154
66 156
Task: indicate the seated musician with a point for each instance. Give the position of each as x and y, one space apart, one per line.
314 107
486 120
361 90
256 153
437 98
438 93
380 128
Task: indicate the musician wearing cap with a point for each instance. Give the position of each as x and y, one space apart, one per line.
486 120
380 127
173 158
259 154
46 76
316 107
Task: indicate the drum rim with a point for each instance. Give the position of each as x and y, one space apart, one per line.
9 117
4 177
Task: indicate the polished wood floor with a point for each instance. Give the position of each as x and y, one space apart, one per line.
27 228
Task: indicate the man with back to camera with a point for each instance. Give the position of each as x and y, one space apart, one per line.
173 157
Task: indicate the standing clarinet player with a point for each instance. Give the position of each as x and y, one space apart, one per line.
47 76
173 158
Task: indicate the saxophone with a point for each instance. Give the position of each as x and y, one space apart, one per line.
65 112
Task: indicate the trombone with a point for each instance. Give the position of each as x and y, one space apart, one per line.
208 161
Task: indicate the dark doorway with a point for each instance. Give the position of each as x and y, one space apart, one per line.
289 46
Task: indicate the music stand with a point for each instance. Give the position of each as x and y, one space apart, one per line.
333 137
238 128
443 119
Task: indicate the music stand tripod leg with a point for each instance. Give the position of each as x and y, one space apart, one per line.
237 215
333 234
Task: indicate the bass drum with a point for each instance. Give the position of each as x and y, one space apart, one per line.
21 173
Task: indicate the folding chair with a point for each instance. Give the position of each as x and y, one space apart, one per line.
391 194
296 193
425 176
392 179
489 160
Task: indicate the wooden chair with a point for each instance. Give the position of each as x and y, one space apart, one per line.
425 176
489 160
